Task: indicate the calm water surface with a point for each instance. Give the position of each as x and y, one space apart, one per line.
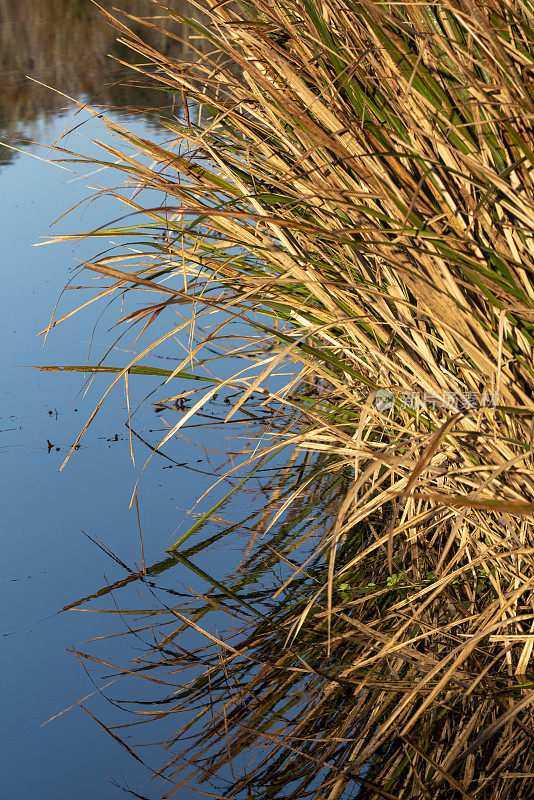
47 561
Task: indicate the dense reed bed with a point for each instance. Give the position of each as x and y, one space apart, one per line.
359 191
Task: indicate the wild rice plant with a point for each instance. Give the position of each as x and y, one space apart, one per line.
358 188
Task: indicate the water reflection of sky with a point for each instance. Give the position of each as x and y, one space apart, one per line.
47 560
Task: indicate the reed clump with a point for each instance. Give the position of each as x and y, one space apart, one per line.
359 189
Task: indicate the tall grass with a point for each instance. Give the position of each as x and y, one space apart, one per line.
359 188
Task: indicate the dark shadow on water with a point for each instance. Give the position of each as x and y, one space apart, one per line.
67 44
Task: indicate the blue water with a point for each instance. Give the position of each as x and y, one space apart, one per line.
47 561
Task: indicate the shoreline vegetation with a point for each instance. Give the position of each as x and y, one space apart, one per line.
351 184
